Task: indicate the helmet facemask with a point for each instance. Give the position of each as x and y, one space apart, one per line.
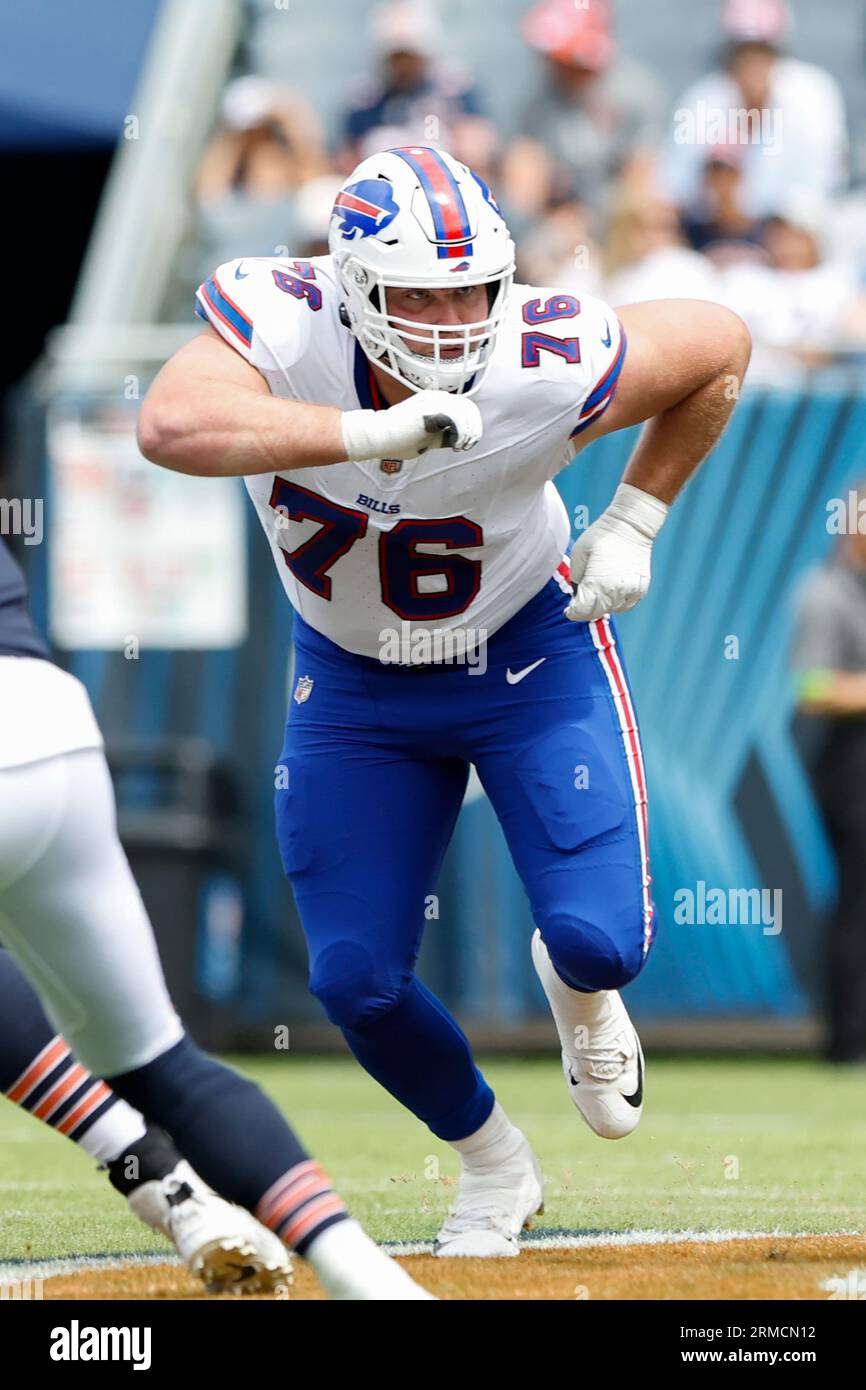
390 341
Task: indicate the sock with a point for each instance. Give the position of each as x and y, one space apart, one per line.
39 1072
236 1139
300 1205
572 1008
113 1132
347 1260
491 1146
57 1089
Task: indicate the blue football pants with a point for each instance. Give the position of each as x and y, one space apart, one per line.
374 768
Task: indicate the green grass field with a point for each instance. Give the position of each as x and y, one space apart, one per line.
794 1132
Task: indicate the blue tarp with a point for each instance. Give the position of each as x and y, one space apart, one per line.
68 71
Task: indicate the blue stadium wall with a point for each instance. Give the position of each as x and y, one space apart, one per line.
730 799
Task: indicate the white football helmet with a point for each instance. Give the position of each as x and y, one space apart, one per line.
416 218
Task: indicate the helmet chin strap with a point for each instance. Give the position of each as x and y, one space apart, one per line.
464 362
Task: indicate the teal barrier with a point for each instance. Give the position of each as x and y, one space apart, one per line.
707 653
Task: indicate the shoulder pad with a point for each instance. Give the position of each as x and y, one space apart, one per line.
263 308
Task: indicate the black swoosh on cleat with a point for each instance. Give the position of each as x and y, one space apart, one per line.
637 1097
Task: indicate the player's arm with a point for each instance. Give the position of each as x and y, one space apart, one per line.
682 371
209 412
683 368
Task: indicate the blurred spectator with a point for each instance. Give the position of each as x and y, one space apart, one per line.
268 141
595 113
829 658
719 226
311 216
802 308
645 256
415 100
789 116
268 144
849 230
560 251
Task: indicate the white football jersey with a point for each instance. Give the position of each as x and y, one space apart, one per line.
448 540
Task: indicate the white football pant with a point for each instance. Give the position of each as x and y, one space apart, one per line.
72 916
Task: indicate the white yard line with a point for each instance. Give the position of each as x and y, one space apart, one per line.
562 1240
573 1240
78 1264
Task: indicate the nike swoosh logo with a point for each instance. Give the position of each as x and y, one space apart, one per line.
571 1078
637 1097
606 341
514 676
238 275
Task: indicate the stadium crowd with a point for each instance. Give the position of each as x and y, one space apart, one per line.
736 190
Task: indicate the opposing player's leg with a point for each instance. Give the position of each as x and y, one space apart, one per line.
72 916
566 778
39 1072
365 808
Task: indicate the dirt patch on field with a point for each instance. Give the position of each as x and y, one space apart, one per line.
780 1267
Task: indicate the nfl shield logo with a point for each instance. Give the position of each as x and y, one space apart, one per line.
391 465
303 689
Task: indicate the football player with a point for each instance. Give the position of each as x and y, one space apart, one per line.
72 917
398 410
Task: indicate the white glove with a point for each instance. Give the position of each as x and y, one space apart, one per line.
428 420
611 560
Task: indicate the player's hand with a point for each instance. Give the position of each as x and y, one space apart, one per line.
428 420
611 562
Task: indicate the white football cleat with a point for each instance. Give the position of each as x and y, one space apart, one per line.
492 1209
222 1244
602 1059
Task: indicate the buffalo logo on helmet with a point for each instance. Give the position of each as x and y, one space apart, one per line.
365 208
